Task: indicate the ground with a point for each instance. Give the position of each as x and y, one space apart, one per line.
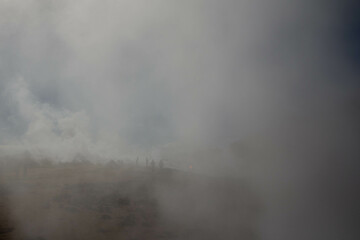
127 202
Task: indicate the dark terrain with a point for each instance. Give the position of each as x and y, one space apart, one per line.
112 202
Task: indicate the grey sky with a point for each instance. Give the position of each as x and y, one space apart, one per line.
158 72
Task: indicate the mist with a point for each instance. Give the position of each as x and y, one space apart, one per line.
252 105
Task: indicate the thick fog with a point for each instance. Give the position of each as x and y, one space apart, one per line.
262 90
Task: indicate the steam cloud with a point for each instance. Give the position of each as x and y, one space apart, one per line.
257 89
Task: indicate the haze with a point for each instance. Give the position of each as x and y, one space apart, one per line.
262 93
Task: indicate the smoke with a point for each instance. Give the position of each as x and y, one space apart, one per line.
57 134
263 90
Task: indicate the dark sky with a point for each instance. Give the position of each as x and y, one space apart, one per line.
350 26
